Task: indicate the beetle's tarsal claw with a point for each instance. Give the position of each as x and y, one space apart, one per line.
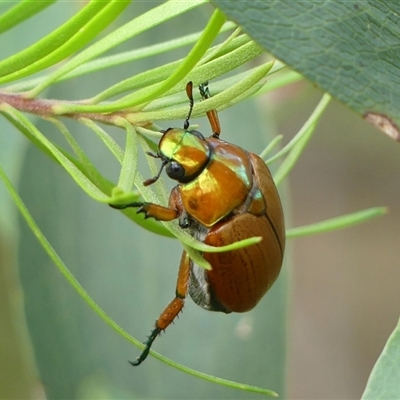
137 362
150 339
140 210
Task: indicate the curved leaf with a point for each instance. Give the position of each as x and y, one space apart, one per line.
349 49
63 42
341 222
22 11
138 25
384 381
198 50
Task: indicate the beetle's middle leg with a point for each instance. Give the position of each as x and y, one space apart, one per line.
173 308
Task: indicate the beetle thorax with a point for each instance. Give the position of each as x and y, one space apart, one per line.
222 187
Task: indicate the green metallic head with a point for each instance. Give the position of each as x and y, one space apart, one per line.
184 153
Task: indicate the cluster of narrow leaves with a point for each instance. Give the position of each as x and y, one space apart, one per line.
134 105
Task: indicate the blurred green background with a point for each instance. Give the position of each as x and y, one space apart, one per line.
344 298
345 285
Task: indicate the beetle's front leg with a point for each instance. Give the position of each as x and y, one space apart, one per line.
160 213
173 308
151 210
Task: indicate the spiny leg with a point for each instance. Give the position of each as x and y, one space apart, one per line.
173 308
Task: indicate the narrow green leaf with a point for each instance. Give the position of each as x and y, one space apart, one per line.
384 381
312 119
215 68
22 11
107 62
297 145
225 93
202 45
196 257
152 18
236 55
80 178
281 79
26 132
120 195
138 54
86 166
200 246
336 223
157 90
29 60
104 185
271 145
129 163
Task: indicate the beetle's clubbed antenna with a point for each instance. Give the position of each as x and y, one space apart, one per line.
212 115
189 93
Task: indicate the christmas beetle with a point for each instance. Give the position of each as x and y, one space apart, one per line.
224 194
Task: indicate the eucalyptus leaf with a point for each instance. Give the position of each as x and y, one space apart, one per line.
348 49
384 381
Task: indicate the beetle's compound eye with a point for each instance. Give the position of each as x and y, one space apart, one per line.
175 170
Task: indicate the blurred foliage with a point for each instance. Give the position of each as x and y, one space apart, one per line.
116 72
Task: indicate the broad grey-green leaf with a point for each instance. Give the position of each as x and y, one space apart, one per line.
349 49
384 381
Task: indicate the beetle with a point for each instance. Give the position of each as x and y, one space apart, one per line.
224 194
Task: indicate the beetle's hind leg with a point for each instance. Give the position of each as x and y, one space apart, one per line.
173 308
154 333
